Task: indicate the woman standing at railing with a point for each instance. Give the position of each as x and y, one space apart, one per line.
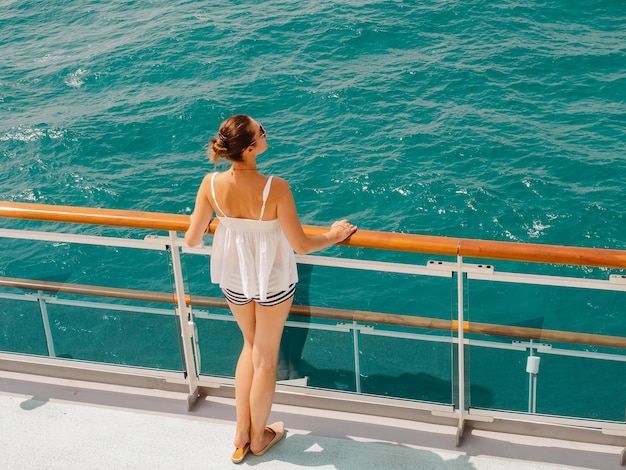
254 264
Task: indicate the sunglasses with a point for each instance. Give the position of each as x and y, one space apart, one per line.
261 135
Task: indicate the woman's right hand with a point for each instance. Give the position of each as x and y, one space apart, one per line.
342 229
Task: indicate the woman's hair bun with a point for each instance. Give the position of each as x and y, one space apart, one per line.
234 137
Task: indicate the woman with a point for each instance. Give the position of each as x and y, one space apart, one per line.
254 264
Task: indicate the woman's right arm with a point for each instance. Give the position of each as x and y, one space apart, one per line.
290 223
201 216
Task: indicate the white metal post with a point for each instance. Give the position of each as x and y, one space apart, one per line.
187 327
532 367
357 362
461 351
46 323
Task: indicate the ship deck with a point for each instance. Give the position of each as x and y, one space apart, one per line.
53 423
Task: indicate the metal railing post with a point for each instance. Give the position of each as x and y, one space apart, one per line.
532 368
187 326
357 362
46 323
461 350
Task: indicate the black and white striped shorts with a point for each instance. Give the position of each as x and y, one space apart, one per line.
272 299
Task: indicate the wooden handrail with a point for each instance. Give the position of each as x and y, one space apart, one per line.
469 248
330 313
538 253
95 216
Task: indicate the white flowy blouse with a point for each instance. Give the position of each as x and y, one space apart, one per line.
251 257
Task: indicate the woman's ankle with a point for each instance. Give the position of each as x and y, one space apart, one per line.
241 438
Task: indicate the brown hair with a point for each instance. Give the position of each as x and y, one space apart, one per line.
234 136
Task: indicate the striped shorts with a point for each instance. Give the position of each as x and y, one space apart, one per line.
272 299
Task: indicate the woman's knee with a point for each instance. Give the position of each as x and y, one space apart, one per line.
247 349
264 359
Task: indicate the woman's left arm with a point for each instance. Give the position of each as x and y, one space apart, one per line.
201 216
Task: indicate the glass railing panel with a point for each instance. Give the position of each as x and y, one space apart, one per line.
408 368
219 341
497 377
569 386
90 325
21 327
583 379
324 358
294 363
411 362
326 326
583 387
314 352
307 339
98 331
82 263
88 328
218 336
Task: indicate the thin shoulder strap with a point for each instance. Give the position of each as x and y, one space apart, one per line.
266 193
214 198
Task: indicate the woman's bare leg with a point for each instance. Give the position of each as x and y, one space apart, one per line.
245 316
255 376
270 322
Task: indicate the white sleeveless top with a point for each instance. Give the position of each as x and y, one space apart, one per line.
251 257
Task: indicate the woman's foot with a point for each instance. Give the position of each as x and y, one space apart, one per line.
241 439
273 433
242 446
240 453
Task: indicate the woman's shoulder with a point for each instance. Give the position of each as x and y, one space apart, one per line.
280 192
279 182
209 176
206 179
280 185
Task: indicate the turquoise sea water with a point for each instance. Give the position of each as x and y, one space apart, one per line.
494 120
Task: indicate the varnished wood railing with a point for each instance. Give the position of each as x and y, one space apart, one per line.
330 313
468 248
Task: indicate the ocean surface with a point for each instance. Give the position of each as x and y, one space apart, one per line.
497 120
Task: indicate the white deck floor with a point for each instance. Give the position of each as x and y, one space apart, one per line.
62 424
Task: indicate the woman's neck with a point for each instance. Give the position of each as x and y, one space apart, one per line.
243 168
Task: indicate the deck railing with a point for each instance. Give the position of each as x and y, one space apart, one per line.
439 335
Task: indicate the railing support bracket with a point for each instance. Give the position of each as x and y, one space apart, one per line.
459 432
192 399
